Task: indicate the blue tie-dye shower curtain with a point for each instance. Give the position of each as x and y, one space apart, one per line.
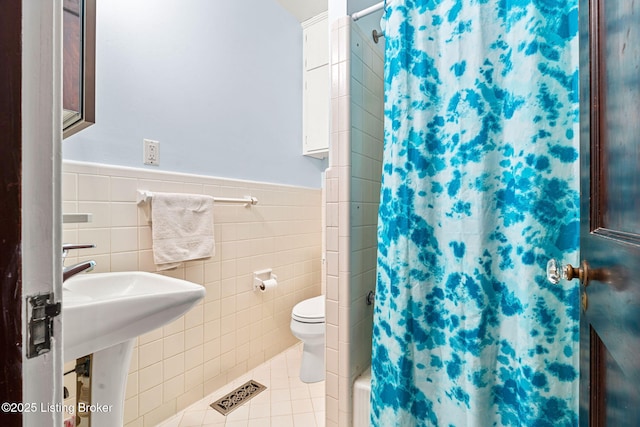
479 189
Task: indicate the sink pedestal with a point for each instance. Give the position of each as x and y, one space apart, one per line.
109 370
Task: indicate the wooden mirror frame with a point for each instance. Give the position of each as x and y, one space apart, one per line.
86 115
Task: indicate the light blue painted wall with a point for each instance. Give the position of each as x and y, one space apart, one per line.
218 83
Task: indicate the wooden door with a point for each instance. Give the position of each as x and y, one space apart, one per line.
10 215
610 230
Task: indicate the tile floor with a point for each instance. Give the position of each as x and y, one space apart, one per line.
287 401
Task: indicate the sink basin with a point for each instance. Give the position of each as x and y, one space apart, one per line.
104 309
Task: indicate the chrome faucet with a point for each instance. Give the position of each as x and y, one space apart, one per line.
72 270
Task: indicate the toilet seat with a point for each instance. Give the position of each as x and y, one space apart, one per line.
309 311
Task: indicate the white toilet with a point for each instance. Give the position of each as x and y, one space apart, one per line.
308 325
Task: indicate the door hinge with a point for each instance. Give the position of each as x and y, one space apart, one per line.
41 309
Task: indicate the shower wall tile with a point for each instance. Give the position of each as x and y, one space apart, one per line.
344 39
233 329
331 407
335 43
355 162
343 78
367 74
357 45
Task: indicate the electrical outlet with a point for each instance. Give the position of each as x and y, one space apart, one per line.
151 152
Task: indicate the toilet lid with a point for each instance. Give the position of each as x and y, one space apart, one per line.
310 310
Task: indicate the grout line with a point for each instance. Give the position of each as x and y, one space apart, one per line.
277 403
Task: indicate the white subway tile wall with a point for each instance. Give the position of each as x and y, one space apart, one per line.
234 329
353 194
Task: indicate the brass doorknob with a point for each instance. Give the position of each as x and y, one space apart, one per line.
556 271
616 277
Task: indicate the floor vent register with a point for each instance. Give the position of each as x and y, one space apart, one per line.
237 397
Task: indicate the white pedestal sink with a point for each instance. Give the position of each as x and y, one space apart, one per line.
103 313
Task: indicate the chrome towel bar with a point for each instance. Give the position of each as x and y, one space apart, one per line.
145 196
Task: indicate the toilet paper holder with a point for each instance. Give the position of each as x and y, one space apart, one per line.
259 277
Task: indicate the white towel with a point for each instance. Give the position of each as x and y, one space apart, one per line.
182 228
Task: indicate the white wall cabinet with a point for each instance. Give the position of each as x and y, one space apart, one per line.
317 87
